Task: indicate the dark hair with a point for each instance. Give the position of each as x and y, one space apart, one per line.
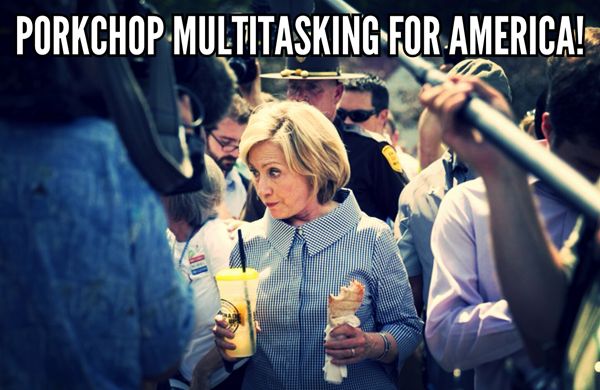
211 80
379 93
574 92
540 108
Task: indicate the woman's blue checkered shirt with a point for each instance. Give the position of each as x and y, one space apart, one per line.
300 267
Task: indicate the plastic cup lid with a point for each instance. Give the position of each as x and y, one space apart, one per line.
235 274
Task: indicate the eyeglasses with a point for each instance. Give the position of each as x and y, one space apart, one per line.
227 146
356 115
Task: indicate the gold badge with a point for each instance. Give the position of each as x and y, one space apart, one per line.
300 59
392 158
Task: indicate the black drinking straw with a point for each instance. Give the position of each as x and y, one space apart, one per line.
250 316
242 253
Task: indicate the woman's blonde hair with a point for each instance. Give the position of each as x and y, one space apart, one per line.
310 143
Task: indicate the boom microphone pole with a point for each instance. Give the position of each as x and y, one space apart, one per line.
504 134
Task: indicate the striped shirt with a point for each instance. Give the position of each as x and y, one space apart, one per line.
300 267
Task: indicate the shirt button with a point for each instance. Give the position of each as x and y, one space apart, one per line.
300 232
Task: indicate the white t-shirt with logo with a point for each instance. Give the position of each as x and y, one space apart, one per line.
206 254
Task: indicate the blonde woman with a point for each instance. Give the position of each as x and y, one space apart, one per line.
312 240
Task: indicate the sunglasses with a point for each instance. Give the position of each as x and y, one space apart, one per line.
356 115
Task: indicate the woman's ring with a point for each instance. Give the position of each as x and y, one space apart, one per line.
353 352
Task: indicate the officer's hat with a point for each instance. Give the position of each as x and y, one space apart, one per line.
312 68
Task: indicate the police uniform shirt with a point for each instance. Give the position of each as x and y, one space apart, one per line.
376 176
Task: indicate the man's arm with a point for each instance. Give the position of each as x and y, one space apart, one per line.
536 288
430 146
416 285
463 328
408 250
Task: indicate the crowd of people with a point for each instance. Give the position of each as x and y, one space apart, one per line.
478 273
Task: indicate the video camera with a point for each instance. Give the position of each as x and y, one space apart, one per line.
171 157
138 93
245 66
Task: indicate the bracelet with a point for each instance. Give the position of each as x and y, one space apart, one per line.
386 346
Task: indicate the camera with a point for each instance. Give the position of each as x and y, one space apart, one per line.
244 68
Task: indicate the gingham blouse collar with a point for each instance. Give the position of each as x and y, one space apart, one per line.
319 233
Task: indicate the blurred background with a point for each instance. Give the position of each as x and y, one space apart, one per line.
526 74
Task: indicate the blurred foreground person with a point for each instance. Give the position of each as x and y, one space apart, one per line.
553 297
90 296
312 240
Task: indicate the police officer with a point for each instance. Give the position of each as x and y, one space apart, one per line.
376 177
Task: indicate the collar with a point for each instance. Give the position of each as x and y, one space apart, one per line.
319 233
454 161
232 179
338 123
353 128
455 169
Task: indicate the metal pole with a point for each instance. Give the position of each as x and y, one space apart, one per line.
505 135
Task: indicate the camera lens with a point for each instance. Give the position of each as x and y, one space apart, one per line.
244 69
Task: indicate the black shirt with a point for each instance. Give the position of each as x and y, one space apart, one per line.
376 176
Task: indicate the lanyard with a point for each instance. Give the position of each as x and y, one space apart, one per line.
192 234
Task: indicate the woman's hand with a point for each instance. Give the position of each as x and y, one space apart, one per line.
222 334
349 345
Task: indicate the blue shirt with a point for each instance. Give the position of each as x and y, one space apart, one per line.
90 298
300 267
417 208
235 193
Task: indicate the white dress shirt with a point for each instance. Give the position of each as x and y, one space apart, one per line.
469 324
